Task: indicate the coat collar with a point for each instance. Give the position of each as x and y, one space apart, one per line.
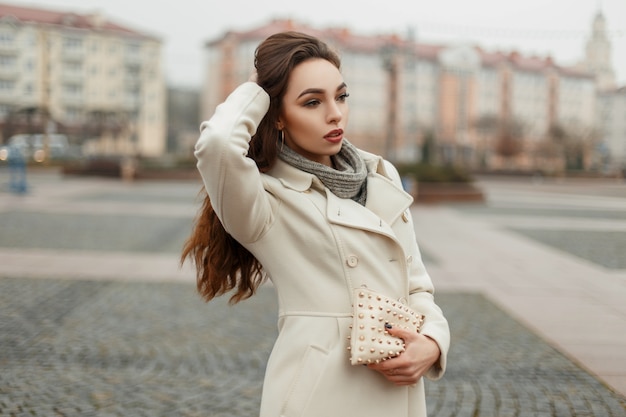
385 199
291 177
299 180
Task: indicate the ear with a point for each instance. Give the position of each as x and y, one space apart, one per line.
279 123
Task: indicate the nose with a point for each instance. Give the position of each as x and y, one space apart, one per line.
334 113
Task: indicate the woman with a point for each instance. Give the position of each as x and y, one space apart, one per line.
289 198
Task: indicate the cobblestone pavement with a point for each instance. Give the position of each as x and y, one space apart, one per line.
87 348
80 348
77 347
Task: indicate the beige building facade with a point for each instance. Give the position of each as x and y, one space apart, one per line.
485 110
612 115
97 81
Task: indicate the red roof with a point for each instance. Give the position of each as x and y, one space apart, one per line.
343 38
64 18
530 63
340 37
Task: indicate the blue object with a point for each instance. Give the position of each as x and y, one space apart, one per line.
17 170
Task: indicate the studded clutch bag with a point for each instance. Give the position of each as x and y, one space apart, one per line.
369 341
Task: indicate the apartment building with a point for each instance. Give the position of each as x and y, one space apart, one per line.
99 82
612 116
492 110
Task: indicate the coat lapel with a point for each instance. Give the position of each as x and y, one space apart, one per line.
351 214
387 200
385 203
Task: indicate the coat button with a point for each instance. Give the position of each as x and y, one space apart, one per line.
405 217
352 261
409 259
402 300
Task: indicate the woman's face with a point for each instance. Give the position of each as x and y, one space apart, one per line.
314 111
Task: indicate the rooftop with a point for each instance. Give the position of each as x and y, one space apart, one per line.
94 21
345 39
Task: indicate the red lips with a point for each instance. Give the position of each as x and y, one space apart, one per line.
334 135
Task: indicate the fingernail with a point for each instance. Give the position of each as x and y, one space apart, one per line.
387 326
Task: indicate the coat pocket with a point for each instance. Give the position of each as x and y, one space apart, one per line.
303 387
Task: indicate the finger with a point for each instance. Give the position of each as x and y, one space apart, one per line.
403 334
397 375
385 366
401 379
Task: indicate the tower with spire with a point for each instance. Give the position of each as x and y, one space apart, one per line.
598 54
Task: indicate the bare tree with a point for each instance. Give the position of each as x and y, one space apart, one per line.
25 120
509 138
100 122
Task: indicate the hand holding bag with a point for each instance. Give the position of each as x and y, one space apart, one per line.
369 340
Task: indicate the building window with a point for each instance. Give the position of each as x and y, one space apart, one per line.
28 89
7 62
72 90
7 86
73 114
7 38
72 43
5 109
133 48
29 65
73 67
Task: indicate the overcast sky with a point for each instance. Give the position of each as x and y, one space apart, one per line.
556 27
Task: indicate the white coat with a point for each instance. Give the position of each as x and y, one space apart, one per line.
317 247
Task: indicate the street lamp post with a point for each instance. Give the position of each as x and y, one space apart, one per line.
389 56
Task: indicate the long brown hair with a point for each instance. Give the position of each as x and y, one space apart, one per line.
222 264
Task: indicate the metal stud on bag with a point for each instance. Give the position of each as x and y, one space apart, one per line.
369 341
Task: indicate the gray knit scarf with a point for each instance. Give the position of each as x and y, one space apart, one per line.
347 180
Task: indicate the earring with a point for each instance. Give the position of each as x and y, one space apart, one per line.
281 138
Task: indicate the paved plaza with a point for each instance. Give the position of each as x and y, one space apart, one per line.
98 319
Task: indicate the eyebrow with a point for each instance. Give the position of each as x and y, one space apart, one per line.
319 90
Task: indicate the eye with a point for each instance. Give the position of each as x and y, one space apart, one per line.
343 97
312 103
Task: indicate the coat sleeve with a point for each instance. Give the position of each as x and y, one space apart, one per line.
232 180
421 296
421 293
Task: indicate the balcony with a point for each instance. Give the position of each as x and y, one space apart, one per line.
131 102
9 73
72 99
73 54
9 48
72 77
132 61
132 82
